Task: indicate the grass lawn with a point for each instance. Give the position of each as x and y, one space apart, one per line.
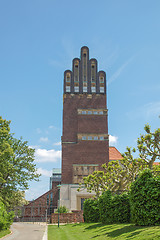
4 233
98 231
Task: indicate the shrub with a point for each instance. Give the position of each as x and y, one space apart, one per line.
6 219
104 205
145 199
91 210
114 209
62 209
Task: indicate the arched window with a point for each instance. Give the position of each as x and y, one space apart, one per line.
68 77
76 71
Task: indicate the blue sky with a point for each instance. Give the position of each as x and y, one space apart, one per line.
39 39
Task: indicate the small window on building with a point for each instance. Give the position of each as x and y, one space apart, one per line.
76 66
89 112
95 112
68 78
84 89
76 89
100 112
68 88
84 112
93 89
101 89
101 79
84 55
84 78
76 78
48 199
89 137
84 138
95 137
101 138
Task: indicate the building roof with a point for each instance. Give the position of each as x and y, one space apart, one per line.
156 163
114 154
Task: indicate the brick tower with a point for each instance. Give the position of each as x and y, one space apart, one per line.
85 145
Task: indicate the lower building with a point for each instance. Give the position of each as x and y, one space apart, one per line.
69 196
41 208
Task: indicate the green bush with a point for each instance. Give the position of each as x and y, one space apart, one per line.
104 205
91 210
114 208
6 219
145 199
62 209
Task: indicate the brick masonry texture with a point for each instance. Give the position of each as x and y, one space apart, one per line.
37 207
82 152
74 217
72 121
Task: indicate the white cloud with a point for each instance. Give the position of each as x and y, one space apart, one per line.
44 155
43 139
112 140
146 111
119 71
38 130
44 172
51 127
57 144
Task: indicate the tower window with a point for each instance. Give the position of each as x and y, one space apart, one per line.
101 138
95 137
68 88
83 112
89 137
84 89
68 78
84 55
101 89
84 138
76 89
101 79
76 72
89 112
101 112
93 89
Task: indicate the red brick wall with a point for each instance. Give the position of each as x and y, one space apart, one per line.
38 206
74 217
70 116
92 124
82 152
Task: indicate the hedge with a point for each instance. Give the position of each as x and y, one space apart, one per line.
114 208
91 210
145 199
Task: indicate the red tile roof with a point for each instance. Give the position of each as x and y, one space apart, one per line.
114 154
156 163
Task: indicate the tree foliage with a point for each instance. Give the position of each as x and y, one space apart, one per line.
117 175
6 219
17 166
149 145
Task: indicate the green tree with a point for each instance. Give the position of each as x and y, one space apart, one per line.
149 145
117 175
17 166
94 182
